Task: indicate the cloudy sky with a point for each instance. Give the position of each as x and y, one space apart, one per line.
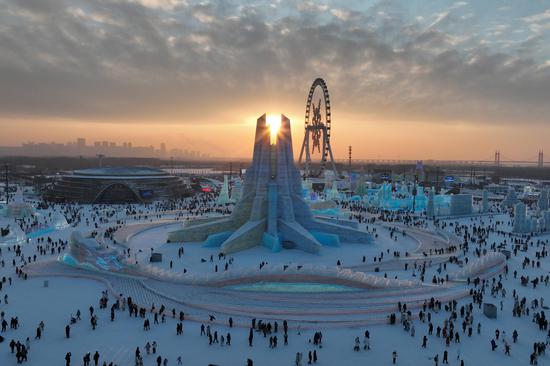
408 79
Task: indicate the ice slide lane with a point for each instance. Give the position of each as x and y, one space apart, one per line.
198 302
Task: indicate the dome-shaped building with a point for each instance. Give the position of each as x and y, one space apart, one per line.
116 185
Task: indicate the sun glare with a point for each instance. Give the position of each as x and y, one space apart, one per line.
274 123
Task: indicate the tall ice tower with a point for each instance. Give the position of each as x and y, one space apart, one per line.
271 211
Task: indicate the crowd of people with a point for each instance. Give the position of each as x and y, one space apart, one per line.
436 325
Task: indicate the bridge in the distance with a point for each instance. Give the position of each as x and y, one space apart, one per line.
438 162
497 161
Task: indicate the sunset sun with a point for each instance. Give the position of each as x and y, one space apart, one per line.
274 123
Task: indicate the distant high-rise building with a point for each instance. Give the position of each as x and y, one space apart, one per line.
78 147
81 142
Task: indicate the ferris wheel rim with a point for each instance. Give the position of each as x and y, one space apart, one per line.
319 82
317 132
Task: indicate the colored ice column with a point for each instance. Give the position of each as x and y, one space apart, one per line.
385 196
403 189
387 193
430 208
380 196
18 197
361 188
546 216
461 204
236 191
543 200
485 201
511 198
420 198
223 198
521 224
333 194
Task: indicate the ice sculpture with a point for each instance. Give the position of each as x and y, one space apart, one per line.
236 191
546 220
430 209
333 194
485 201
361 188
522 224
461 204
223 198
511 198
18 208
87 253
271 211
543 200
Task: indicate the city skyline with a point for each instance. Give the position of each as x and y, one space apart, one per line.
127 149
80 147
415 80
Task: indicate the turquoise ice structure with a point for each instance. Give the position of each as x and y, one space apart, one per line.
236 191
223 198
485 201
271 211
385 198
333 193
87 253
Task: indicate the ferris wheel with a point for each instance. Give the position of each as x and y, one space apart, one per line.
316 146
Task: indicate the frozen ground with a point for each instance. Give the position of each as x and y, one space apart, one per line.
116 341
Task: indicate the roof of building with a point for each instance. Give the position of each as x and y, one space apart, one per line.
127 172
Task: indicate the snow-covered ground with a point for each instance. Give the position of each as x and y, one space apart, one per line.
116 341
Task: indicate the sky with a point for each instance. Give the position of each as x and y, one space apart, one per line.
431 79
